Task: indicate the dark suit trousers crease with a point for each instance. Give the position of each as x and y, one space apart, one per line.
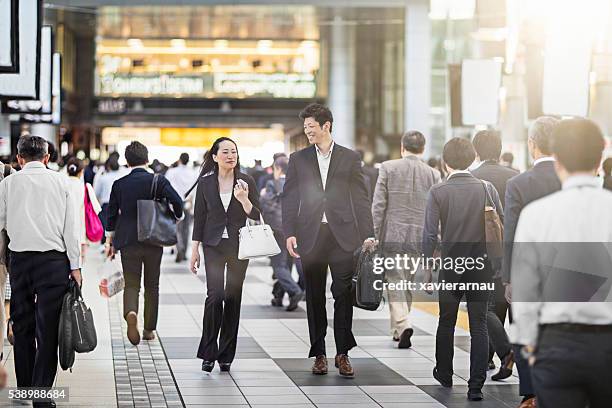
223 299
479 345
572 369
39 281
328 253
133 258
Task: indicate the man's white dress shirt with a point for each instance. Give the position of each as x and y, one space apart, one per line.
182 178
580 213
324 160
38 213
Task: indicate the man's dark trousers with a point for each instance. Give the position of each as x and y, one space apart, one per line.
133 258
327 252
39 281
572 367
479 345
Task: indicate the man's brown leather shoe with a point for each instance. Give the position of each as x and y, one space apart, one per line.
530 403
148 334
320 365
344 366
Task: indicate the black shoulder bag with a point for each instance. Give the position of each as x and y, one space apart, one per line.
156 221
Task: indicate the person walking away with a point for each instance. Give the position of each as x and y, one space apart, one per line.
103 183
456 208
78 189
44 257
182 178
5 286
282 263
561 274
537 182
398 212
488 147
225 197
122 235
326 218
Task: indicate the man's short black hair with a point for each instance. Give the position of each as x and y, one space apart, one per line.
413 141
136 154
32 147
318 112
184 158
508 157
458 153
578 144
488 144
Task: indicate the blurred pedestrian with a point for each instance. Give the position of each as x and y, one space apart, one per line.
103 184
78 189
282 263
182 178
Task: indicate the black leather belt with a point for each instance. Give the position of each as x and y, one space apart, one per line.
582 328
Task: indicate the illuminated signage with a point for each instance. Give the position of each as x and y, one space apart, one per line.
218 84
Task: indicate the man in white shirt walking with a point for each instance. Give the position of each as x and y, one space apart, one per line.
45 253
182 178
561 274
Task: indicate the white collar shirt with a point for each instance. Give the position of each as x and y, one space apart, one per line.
181 177
324 160
38 213
579 213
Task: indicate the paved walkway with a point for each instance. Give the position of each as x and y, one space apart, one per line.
271 368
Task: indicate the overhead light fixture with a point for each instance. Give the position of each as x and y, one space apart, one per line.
264 44
178 43
221 44
135 43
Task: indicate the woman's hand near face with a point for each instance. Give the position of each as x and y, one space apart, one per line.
241 191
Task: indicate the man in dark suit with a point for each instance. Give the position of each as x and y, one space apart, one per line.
326 217
122 234
456 208
488 147
541 180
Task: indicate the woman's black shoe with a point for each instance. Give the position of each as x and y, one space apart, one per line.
225 367
208 366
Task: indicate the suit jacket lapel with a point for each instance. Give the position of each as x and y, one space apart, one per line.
312 157
334 162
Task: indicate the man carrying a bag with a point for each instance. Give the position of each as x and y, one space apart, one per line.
45 253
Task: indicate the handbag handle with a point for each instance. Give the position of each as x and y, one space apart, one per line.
261 220
154 186
488 199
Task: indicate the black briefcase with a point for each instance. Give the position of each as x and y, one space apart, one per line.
66 350
84 338
156 221
365 294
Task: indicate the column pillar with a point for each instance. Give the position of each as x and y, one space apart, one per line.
342 81
417 74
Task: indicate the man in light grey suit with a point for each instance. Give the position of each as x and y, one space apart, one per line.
398 212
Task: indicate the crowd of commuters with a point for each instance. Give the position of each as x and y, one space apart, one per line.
324 204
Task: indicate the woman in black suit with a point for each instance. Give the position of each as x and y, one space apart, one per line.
224 199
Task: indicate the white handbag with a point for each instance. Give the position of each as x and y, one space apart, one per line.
256 240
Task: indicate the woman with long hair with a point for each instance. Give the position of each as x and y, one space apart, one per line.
225 197
78 188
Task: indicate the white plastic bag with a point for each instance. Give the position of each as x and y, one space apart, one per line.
111 278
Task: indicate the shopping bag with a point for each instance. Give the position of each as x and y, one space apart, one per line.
111 279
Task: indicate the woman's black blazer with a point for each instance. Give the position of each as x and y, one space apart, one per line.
210 218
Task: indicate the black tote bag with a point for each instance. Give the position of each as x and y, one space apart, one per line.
156 221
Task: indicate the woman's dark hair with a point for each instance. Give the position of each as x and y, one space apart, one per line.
74 167
112 164
210 165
